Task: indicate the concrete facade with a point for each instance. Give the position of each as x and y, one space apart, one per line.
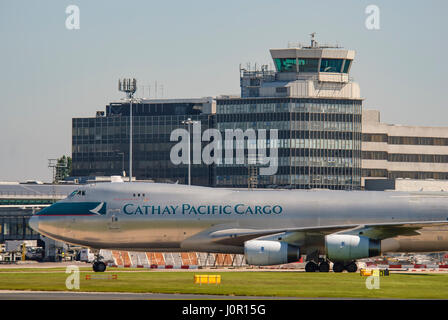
406 185
391 151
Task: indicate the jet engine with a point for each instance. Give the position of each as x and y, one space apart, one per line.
341 247
268 252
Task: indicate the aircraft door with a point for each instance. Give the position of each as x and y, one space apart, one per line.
114 220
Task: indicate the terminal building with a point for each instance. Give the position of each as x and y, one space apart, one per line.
392 153
18 202
309 98
324 138
316 108
100 144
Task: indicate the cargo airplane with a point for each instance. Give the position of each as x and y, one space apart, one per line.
268 226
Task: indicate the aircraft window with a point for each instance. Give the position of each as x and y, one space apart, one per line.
138 194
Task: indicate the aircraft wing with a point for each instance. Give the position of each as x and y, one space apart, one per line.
379 231
390 230
237 237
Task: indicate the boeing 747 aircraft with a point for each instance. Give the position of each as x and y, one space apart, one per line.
268 226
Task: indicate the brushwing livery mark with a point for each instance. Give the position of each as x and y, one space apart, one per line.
98 209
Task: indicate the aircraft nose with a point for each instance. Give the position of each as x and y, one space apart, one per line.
34 223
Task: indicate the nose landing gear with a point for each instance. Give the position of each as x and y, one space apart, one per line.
98 265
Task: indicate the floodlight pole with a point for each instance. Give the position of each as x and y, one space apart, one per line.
130 139
189 152
122 163
188 122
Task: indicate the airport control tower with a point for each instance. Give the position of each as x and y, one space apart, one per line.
316 108
303 71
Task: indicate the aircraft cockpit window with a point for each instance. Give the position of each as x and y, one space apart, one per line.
73 193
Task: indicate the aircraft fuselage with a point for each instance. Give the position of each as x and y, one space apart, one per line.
167 217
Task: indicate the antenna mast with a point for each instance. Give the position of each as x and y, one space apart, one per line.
129 86
313 42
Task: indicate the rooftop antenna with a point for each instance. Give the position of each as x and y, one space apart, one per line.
129 86
57 168
313 42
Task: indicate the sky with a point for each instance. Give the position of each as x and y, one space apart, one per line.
51 74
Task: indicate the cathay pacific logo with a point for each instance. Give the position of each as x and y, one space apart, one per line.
99 209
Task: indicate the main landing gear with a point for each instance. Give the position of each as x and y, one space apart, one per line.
324 266
98 265
312 266
340 266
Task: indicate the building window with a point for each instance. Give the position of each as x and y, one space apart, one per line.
255 82
428 158
369 137
331 65
432 141
374 155
285 65
378 173
308 65
281 90
347 66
